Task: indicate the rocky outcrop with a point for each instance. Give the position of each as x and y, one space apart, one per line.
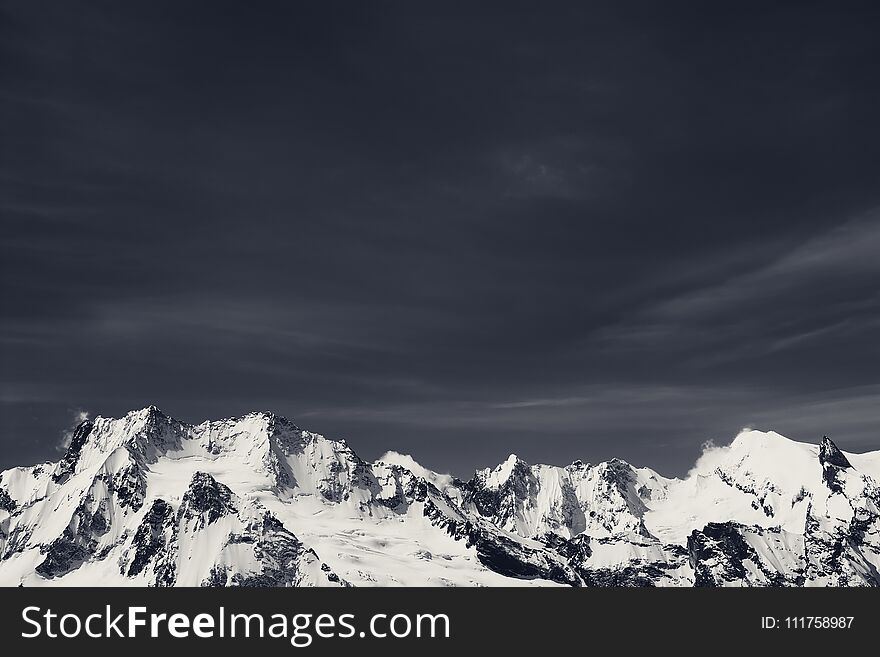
68 463
151 536
600 500
6 502
833 462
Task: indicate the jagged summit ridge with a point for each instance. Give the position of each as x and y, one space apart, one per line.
830 454
257 501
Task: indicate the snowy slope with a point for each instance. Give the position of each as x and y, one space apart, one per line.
257 501
761 478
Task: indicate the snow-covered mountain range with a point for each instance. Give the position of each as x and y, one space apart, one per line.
257 501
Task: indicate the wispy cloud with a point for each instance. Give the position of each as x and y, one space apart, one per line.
851 248
814 291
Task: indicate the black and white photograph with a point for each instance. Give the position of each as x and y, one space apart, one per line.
431 295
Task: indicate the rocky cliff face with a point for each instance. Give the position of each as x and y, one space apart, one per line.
603 500
257 501
217 539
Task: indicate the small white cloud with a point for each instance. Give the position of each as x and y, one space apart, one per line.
711 456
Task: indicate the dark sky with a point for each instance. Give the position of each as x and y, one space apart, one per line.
452 229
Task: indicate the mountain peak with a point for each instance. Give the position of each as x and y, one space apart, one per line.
511 460
147 412
751 438
273 421
508 468
830 454
833 463
269 416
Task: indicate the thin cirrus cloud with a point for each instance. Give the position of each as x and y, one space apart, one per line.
820 289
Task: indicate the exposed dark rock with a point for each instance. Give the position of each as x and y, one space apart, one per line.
760 501
6 502
208 497
501 504
129 484
77 543
837 551
280 554
718 554
635 575
150 536
829 454
499 552
63 555
407 489
217 578
509 557
68 463
278 551
331 576
832 461
577 550
158 435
